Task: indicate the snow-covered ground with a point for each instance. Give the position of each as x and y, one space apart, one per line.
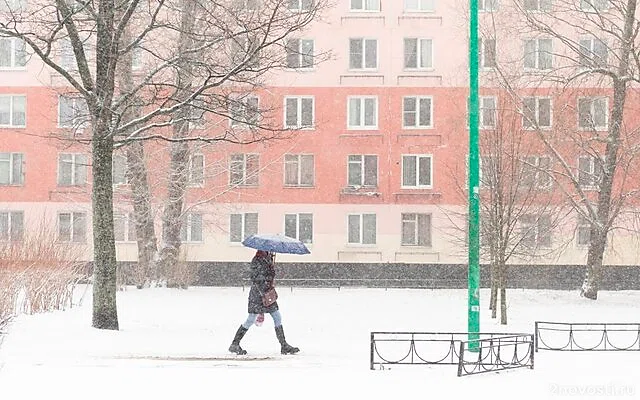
172 344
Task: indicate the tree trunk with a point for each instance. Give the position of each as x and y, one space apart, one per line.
493 300
503 294
105 314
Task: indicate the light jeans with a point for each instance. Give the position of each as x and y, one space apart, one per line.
251 319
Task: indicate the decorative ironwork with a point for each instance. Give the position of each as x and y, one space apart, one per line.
587 336
419 348
496 354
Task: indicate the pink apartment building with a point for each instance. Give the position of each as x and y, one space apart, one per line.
373 175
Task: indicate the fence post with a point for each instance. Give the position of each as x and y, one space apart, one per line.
531 349
461 359
535 333
371 355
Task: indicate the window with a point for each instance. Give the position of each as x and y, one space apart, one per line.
488 170
244 51
13 53
537 5
191 228
243 169
195 173
11 225
362 229
72 169
593 113
66 57
536 230
119 169
298 170
363 113
14 6
365 5
417 171
416 229
487 110
13 111
536 112
247 4
583 231
419 5
487 5
417 112
418 53
593 53
72 227
137 58
589 172
241 226
72 112
594 5
300 53
299 226
300 5
11 169
363 53
244 111
299 112
538 54
535 172
487 49
124 226
362 170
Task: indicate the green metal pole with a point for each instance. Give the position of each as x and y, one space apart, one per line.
474 181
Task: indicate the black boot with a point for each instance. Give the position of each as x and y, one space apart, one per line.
235 345
285 348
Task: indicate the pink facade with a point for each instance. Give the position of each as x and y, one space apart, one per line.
397 121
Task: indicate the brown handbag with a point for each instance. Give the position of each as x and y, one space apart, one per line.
269 297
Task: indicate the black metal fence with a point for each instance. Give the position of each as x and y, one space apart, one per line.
496 350
495 354
587 336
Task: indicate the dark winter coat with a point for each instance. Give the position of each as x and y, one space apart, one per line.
262 274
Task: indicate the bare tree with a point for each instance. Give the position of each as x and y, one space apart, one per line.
228 38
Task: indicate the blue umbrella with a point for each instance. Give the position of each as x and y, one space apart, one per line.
276 244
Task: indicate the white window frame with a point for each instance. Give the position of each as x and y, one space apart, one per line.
588 56
359 161
14 230
416 167
363 112
74 237
119 162
11 111
11 160
244 226
298 226
535 124
299 112
249 5
300 5
539 6
488 5
187 228
411 221
79 121
484 110
249 178
417 112
296 161
372 6
422 6
483 53
419 54
78 161
13 6
592 176
594 6
16 62
593 100
362 66
304 60
195 173
127 222
534 165
361 228
583 224
537 54
531 224
240 117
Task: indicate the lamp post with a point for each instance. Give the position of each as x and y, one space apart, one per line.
474 181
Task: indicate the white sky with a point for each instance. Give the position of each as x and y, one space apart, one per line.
58 355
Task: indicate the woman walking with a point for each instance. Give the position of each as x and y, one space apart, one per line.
262 280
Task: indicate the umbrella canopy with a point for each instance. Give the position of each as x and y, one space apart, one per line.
276 243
